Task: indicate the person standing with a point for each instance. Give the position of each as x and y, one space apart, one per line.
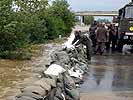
101 38
114 38
92 35
108 43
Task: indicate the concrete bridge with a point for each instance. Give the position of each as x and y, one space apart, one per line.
95 13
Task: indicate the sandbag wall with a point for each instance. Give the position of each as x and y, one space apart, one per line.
61 79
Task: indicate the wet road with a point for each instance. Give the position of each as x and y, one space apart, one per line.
110 78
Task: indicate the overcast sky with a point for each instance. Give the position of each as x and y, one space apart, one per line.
97 5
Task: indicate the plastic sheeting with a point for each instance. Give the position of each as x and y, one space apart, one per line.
75 73
68 43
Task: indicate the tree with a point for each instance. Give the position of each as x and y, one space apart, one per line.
60 10
103 20
11 36
23 22
88 20
32 11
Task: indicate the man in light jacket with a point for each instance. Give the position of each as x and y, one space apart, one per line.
101 38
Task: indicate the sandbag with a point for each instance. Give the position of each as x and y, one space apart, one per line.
73 93
55 98
69 82
24 98
56 94
60 57
52 82
77 80
59 94
55 70
43 84
51 94
29 94
75 73
35 89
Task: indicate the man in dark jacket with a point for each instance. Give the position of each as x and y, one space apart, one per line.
93 35
85 40
112 38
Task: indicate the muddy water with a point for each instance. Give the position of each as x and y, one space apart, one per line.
14 74
110 78
10 73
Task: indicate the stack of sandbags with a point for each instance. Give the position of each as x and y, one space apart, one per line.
72 77
61 78
38 90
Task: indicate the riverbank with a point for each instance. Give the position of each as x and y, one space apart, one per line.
14 74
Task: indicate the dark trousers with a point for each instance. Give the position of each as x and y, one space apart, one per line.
93 40
108 46
88 52
120 45
114 42
100 47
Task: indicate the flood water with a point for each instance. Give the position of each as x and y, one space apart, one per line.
109 74
11 72
15 74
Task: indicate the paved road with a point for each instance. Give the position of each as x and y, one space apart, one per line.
110 78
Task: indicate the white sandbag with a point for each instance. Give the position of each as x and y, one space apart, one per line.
126 49
55 70
68 46
75 73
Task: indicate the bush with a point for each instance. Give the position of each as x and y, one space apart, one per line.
60 10
33 21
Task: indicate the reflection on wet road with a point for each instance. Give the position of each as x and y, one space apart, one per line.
109 73
99 79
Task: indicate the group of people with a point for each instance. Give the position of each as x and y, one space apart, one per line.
101 37
104 37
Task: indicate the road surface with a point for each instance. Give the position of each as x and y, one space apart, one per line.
110 78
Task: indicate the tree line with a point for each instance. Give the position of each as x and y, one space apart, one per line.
24 22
